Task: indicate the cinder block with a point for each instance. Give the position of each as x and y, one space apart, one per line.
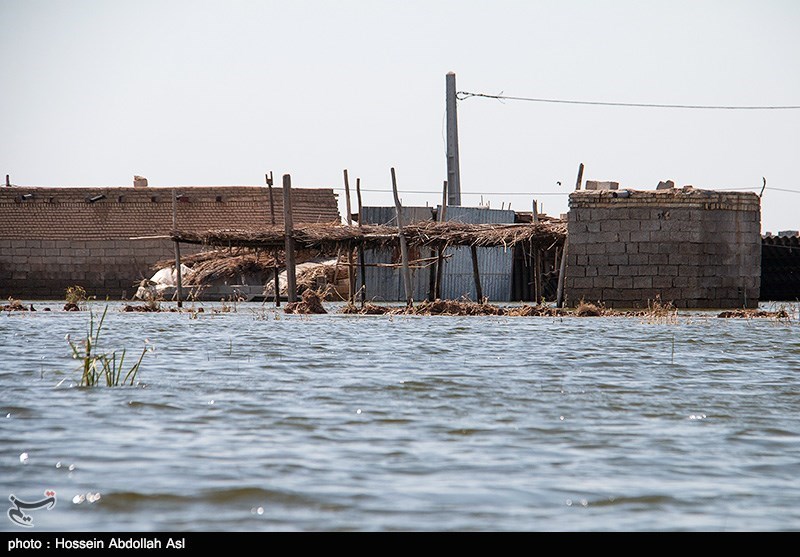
598 185
623 282
615 248
612 225
620 259
608 271
660 281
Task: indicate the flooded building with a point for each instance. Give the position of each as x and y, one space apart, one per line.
780 266
55 237
694 248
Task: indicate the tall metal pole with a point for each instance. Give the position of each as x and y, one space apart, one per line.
453 172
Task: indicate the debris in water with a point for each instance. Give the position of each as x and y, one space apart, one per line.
311 303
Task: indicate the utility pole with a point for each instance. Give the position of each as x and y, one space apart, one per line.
453 172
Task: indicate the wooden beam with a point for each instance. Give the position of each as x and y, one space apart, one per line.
363 289
271 200
291 278
561 275
351 276
179 284
440 252
475 274
403 245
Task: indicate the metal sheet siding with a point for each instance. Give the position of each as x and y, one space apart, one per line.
494 264
385 284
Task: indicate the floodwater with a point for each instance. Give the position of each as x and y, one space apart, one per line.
253 420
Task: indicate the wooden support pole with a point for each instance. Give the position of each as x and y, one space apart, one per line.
403 244
275 270
440 252
8 181
271 200
476 275
580 177
363 289
351 276
431 269
291 278
539 263
277 279
179 283
561 275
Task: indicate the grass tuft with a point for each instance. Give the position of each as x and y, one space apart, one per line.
98 368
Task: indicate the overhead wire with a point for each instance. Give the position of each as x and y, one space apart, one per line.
463 95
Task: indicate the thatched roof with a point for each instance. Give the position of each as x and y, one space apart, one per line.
426 233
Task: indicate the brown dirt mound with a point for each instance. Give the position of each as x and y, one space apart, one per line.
311 303
450 307
586 309
16 305
754 313
143 309
457 307
368 309
536 311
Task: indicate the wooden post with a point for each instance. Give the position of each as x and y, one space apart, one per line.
561 277
179 285
275 270
476 275
277 279
361 263
271 201
580 177
351 276
440 254
431 269
291 278
453 172
537 260
8 181
403 245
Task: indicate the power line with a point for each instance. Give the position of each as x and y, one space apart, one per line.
462 95
464 192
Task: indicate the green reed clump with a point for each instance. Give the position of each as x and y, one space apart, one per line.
99 367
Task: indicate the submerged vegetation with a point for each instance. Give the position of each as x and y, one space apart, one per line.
75 297
98 368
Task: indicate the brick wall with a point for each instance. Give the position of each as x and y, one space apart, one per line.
694 248
52 238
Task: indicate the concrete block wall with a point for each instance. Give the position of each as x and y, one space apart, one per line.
694 248
53 238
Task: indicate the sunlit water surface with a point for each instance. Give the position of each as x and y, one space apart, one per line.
253 420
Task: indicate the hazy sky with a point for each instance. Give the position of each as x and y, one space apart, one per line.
218 93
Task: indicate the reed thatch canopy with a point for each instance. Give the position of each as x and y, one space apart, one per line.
426 233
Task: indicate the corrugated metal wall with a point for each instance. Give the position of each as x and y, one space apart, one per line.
385 284
494 264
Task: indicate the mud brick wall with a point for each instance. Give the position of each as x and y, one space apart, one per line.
52 238
694 248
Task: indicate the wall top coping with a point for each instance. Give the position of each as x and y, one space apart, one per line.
686 197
